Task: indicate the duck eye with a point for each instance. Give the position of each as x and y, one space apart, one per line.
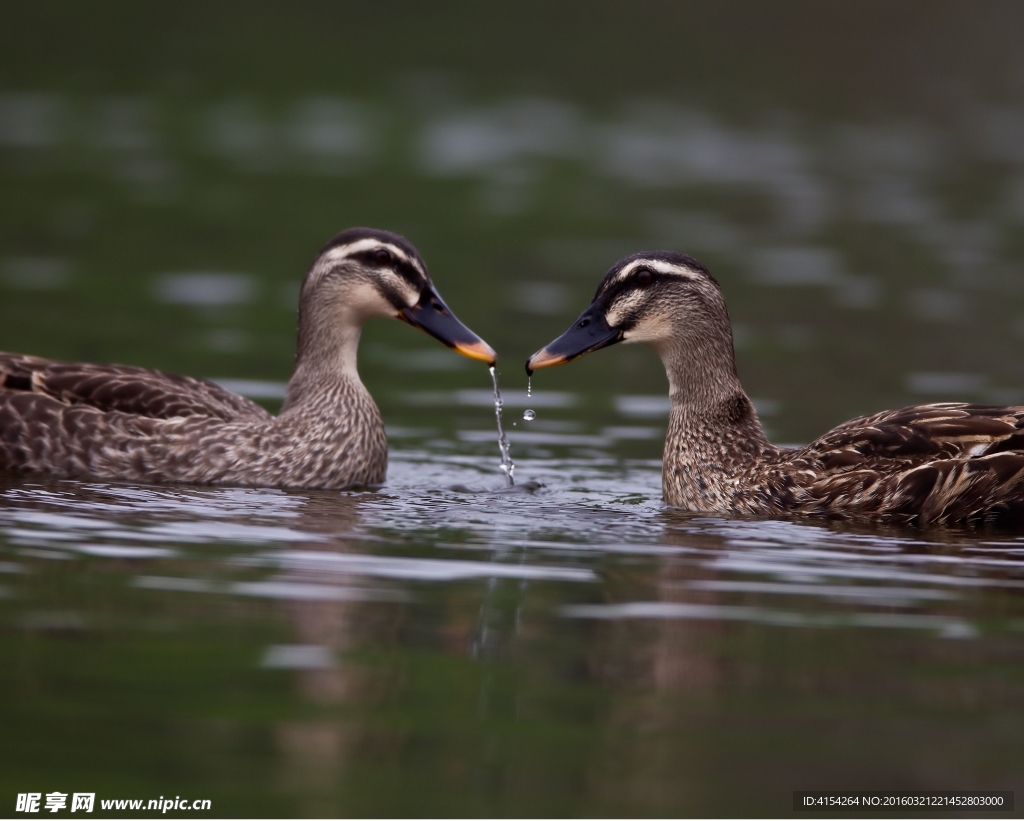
382 255
644 277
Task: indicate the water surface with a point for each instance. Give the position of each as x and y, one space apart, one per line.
448 646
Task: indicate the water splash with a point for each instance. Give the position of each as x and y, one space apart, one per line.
529 415
507 465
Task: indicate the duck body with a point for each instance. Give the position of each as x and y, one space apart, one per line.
939 464
132 424
124 423
933 464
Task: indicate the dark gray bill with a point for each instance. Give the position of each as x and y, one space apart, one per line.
430 314
589 332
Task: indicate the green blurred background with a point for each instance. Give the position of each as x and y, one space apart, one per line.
852 173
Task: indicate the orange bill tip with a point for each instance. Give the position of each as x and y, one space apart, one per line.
477 350
544 359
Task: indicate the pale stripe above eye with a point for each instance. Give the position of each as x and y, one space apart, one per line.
341 252
661 266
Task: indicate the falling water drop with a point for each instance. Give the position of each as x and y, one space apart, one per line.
529 415
529 387
507 465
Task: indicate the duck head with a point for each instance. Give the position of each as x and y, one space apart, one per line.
364 273
662 298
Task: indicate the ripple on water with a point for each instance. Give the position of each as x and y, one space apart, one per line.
582 517
484 398
947 627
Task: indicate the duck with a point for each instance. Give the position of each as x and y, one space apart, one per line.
949 463
125 423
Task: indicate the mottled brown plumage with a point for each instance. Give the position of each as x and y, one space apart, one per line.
125 423
926 464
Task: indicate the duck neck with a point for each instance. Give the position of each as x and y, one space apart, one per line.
713 427
701 373
325 360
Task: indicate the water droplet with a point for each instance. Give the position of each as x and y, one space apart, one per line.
529 387
529 415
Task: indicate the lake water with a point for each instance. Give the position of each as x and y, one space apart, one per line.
568 646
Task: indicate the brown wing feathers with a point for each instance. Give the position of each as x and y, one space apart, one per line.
913 434
60 417
926 463
148 393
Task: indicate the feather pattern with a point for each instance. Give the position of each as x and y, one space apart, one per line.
146 426
124 388
925 464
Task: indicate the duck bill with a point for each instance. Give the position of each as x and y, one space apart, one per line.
589 332
432 316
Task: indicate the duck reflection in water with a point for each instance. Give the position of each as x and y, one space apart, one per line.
925 464
133 424
332 616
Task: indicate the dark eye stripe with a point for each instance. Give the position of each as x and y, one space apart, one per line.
630 283
406 270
